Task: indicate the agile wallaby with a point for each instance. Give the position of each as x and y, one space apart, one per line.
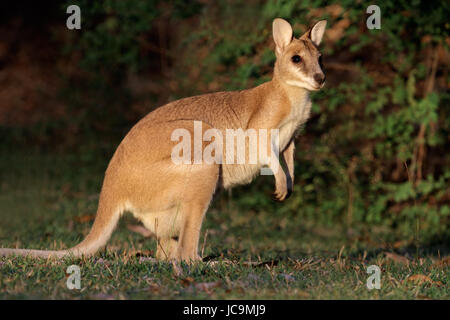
171 198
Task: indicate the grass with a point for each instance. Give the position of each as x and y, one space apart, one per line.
49 202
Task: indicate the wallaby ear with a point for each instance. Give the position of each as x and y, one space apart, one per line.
282 34
317 32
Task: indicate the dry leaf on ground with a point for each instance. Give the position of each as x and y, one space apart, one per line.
421 278
442 262
187 281
207 286
396 258
85 218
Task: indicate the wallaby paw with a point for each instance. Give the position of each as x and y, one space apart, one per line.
280 196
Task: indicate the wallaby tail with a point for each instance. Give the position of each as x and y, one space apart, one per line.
104 224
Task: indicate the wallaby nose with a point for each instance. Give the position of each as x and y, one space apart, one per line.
319 78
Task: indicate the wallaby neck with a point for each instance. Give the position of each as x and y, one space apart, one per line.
296 95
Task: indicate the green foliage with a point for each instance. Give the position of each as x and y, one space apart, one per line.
111 33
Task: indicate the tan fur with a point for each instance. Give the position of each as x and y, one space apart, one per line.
171 199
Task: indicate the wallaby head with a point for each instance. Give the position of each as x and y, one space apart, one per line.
299 60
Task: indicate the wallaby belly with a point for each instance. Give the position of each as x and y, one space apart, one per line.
238 174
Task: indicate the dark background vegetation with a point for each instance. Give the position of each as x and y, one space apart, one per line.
373 157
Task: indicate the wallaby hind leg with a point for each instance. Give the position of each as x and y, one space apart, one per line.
167 248
190 233
201 189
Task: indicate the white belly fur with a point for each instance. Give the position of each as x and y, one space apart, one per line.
238 174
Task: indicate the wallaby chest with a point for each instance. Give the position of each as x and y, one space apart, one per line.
298 115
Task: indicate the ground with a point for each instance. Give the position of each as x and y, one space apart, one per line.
49 202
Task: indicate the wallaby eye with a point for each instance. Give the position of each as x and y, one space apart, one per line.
296 59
